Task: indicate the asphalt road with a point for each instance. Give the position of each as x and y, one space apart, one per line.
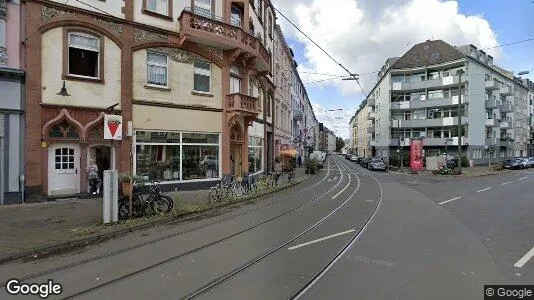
346 233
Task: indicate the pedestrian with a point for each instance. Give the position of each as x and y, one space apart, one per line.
299 160
94 179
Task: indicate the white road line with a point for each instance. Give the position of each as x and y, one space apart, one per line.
479 191
321 239
349 176
505 183
520 263
523 178
341 191
335 178
450 200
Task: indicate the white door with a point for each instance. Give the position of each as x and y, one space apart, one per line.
63 169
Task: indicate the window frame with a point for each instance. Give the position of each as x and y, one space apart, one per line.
212 8
158 65
67 31
167 17
210 76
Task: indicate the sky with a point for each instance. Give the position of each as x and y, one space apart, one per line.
362 34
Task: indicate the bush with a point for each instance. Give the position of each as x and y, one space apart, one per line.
394 159
446 171
498 167
465 162
312 165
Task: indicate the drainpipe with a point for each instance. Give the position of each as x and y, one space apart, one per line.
3 19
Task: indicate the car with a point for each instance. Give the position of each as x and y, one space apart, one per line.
531 162
377 164
512 164
365 162
348 156
523 162
354 158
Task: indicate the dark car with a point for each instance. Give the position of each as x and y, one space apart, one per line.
530 162
365 162
512 164
377 164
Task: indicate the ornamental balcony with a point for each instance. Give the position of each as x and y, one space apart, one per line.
219 33
243 105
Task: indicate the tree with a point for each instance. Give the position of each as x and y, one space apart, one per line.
340 143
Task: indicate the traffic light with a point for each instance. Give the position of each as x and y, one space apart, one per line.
321 128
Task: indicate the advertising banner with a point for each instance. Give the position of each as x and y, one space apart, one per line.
416 155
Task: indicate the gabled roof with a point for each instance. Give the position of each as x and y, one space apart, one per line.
428 53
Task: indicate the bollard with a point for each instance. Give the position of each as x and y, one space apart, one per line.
110 187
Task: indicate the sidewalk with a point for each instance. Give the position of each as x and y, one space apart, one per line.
30 228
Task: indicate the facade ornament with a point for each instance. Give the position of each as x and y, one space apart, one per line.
175 54
143 35
117 28
216 52
48 13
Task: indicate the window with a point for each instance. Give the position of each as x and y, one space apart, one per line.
64 159
156 65
255 154
158 6
203 8
84 55
260 10
270 25
236 16
202 76
235 80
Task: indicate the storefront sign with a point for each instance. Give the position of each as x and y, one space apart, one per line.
416 155
112 127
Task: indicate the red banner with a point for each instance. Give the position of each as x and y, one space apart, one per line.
416 155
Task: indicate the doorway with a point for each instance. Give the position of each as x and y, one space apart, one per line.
63 169
236 164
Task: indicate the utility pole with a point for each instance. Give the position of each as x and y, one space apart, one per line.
460 72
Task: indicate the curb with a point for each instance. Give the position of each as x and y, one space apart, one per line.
41 252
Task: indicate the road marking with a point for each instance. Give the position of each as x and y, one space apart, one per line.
329 180
335 178
321 239
523 178
520 263
479 191
349 176
505 183
341 191
450 200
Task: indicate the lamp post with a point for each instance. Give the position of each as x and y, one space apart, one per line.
460 72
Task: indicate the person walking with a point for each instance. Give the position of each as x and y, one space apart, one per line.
94 179
299 160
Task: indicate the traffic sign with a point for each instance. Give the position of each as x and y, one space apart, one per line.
112 127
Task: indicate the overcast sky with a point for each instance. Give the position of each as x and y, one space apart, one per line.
362 34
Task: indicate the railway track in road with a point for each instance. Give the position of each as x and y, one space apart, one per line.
154 241
152 266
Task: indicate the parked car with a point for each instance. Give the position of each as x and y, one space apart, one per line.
365 162
531 162
348 156
377 164
354 158
512 164
524 162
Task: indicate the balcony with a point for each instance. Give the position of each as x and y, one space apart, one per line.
492 104
492 85
425 84
298 115
371 129
444 141
492 141
505 142
506 108
371 116
447 121
218 33
505 90
504 125
371 143
491 123
396 142
241 104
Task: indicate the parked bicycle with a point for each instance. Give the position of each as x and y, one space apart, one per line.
144 197
228 186
249 184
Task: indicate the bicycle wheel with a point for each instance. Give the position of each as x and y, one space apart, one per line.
124 210
169 200
237 189
160 205
214 194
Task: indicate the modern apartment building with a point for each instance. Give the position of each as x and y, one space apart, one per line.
418 95
12 85
530 85
353 135
193 78
364 130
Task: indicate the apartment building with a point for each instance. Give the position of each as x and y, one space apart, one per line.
192 81
530 86
418 95
283 61
353 135
12 85
364 130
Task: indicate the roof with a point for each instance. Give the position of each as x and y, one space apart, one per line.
428 53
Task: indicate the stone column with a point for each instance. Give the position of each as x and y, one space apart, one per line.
3 30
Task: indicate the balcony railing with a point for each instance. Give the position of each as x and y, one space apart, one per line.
492 85
492 103
447 121
371 116
371 129
218 32
491 123
505 91
428 103
506 108
504 125
444 141
297 114
425 84
243 104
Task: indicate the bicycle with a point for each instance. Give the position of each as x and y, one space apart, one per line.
228 186
249 184
144 197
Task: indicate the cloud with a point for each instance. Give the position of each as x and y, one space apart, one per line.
362 34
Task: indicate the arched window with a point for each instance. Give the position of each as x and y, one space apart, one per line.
236 134
64 130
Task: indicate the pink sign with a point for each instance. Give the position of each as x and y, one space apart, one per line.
416 155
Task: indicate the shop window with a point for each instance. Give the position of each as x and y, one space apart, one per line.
84 55
200 162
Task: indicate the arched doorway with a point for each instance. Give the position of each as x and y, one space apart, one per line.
236 149
64 159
